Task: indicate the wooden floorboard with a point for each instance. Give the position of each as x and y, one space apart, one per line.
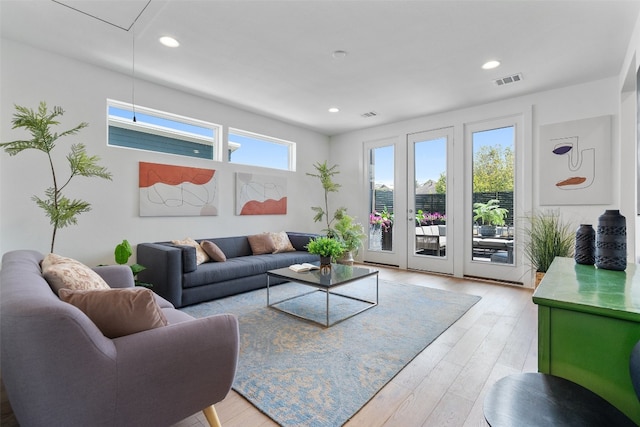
446 383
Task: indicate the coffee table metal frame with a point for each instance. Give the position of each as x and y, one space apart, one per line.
322 283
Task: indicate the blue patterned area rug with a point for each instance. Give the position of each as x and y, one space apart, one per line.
302 374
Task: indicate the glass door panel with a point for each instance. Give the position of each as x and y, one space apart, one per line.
430 242
381 198
492 200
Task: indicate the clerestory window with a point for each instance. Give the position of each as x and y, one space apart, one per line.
250 148
161 132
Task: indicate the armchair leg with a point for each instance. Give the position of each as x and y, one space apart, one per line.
211 416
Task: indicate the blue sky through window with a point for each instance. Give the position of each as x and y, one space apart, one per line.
162 122
431 158
259 152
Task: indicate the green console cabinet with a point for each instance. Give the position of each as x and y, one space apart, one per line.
588 322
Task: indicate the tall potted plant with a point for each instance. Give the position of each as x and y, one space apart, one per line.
547 236
61 210
325 175
490 215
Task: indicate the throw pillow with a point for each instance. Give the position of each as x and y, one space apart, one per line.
261 244
281 242
214 252
201 255
52 259
118 312
71 274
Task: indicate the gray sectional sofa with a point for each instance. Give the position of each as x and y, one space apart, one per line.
174 274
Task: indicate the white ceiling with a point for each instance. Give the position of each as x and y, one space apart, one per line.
404 58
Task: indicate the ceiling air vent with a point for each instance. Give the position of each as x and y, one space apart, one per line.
369 114
509 79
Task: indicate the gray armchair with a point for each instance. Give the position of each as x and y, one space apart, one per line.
59 369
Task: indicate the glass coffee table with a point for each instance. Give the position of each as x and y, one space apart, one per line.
340 275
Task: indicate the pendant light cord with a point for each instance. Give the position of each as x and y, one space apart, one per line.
133 71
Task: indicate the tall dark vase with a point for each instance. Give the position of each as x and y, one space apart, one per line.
585 245
611 241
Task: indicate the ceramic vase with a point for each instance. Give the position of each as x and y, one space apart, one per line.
585 245
611 241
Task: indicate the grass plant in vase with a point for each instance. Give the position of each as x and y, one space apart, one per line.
548 237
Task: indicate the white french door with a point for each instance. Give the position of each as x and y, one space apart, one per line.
431 237
386 207
494 174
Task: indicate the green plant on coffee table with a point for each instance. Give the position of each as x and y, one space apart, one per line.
122 254
325 247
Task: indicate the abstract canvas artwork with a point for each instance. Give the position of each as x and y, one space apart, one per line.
575 162
167 190
260 194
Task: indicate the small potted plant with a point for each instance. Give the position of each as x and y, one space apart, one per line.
490 215
328 249
122 253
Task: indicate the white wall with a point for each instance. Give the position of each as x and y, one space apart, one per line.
571 103
629 125
29 76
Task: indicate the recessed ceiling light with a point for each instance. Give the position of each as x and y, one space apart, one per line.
334 110
490 65
169 41
339 54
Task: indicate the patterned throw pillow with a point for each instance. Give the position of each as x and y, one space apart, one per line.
201 255
261 244
214 252
118 312
281 242
61 272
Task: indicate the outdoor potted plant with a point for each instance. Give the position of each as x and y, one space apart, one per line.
490 215
547 237
383 223
328 248
350 233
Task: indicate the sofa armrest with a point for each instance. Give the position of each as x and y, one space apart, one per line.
116 276
188 366
163 270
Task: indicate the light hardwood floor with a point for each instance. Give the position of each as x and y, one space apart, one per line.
446 383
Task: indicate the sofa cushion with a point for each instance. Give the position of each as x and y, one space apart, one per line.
214 252
300 240
233 246
261 244
233 268
118 312
281 242
201 255
61 272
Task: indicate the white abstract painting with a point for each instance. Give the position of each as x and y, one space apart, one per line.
167 190
575 162
260 194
